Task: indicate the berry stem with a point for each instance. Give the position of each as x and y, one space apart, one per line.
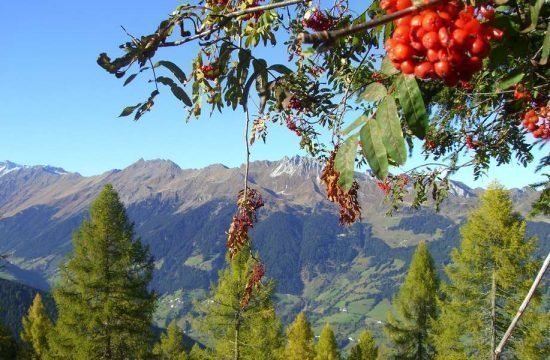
327 36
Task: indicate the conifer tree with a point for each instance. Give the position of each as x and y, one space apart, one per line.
488 277
197 353
105 309
252 331
365 349
8 346
327 348
414 309
300 344
37 327
170 345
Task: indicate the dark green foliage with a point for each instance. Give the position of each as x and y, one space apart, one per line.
15 300
105 308
8 346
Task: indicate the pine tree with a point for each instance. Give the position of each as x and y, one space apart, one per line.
170 346
414 309
8 346
365 349
488 277
327 348
37 327
105 308
300 344
242 332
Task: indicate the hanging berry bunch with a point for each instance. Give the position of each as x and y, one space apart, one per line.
248 204
254 281
448 41
350 211
317 20
210 71
536 121
291 125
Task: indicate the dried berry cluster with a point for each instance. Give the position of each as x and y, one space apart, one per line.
471 143
317 20
536 121
448 41
248 203
210 71
350 211
254 281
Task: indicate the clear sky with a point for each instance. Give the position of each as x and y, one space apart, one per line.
58 107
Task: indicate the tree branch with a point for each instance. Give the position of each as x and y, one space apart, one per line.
522 308
328 36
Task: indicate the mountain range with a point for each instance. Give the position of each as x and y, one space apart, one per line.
343 275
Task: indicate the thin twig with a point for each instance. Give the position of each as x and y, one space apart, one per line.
522 308
327 36
228 17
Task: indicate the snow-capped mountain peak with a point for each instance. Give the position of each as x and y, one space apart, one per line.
8 166
297 165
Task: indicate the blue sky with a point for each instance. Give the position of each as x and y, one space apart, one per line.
58 107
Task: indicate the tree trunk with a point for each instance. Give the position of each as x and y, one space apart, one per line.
236 350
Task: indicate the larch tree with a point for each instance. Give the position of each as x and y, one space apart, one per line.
170 345
414 309
489 275
239 316
327 348
37 328
197 353
365 349
104 304
300 344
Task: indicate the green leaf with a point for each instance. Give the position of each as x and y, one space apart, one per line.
128 110
307 52
358 122
129 79
510 80
387 68
534 12
373 149
176 90
178 73
390 126
280 68
410 99
344 162
262 86
374 92
545 47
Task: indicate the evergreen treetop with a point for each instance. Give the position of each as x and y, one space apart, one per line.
327 348
170 346
365 349
37 328
300 344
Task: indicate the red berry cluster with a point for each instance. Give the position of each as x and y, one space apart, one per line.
295 104
255 14
210 72
520 92
217 2
317 20
447 41
471 144
291 125
384 186
537 122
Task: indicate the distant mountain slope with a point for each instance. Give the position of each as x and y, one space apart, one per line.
338 274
